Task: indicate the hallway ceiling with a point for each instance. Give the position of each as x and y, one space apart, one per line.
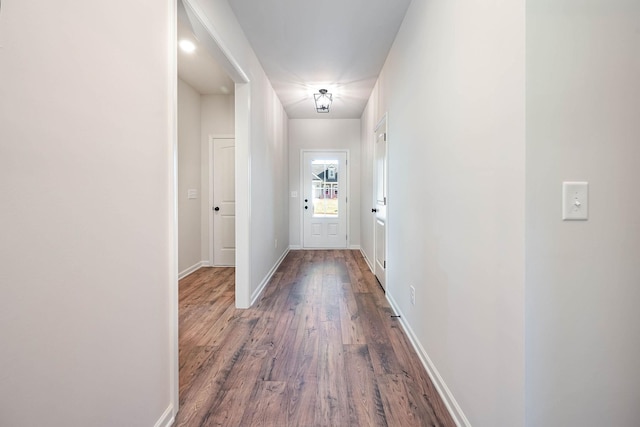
199 69
305 46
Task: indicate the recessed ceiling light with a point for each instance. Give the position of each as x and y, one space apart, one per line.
224 89
187 46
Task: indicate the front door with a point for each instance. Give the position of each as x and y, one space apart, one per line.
380 187
324 196
224 202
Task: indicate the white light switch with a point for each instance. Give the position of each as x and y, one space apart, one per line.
575 201
192 194
294 194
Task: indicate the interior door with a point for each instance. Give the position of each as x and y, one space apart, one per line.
224 202
324 197
380 209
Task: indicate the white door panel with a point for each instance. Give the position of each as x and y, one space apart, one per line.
380 266
324 199
380 188
224 202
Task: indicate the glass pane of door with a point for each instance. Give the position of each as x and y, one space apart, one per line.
324 188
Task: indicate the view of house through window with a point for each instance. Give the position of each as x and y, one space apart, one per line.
324 188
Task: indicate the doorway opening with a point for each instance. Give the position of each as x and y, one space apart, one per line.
380 197
196 22
324 199
222 202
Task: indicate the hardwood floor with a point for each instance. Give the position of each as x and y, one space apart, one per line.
319 349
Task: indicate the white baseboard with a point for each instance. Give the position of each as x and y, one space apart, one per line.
167 418
447 397
256 294
187 271
298 247
366 260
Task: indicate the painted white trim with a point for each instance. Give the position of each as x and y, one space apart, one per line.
167 418
210 206
194 11
384 121
366 259
256 294
354 247
243 195
380 122
195 267
215 45
324 249
172 90
447 397
295 247
210 184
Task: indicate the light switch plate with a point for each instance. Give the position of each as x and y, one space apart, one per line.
575 201
294 194
192 194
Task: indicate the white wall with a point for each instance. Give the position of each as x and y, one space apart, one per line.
261 152
582 317
86 178
453 87
308 134
269 175
218 119
189 176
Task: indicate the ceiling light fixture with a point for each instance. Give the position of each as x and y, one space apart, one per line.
323 101
187 46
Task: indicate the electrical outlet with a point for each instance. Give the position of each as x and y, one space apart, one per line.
412 293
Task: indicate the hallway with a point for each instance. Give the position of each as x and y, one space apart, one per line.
319 349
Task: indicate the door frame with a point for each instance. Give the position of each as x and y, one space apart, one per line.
301 189
382 122
209 208
206 31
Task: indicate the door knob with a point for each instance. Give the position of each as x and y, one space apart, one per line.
306 207
216 209
306 200
374 210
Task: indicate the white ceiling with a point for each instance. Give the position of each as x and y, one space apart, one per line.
199 69
304 46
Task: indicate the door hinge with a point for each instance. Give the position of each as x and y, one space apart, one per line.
346 237
384 264
346 200
385 137
384 200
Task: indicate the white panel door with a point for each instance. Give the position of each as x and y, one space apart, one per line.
224 202
324 199
380 188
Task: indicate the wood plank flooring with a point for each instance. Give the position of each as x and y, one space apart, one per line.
319 349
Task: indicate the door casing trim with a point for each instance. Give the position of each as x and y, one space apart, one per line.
210 206
382 122
347 189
